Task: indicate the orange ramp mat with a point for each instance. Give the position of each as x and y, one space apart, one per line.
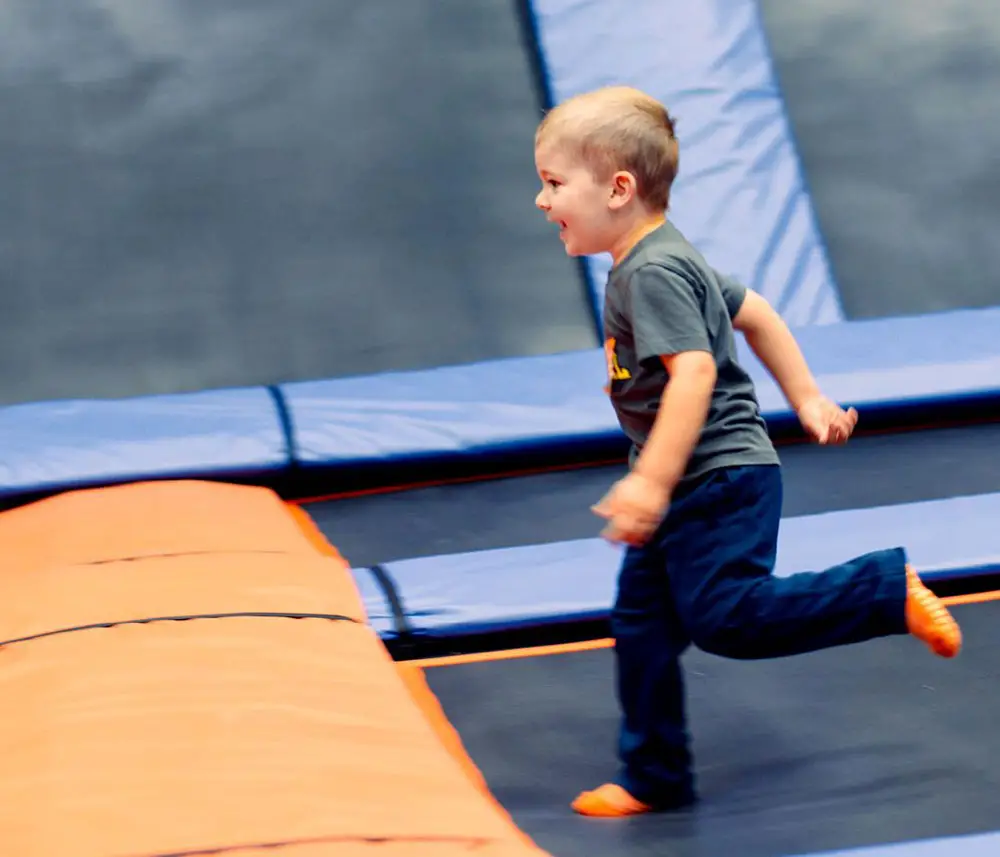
239 735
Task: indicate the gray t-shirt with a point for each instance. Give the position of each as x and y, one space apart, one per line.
664 298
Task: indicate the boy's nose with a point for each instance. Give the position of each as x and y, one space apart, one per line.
540 201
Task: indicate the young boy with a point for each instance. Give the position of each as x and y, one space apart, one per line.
700 507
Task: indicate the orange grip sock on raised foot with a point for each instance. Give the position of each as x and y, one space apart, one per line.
929 620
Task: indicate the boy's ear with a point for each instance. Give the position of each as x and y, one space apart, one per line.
624 189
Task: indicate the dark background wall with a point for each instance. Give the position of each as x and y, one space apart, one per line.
202 193
895 105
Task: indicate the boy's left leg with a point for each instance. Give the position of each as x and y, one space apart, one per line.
722 551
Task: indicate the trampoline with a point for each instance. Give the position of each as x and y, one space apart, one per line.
301 569
876 470
869 744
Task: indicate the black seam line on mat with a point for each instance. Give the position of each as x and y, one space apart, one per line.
175 554
286 422
336 617
393 598
475 842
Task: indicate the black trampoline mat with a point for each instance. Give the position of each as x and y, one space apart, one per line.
862 82
875 470
864 745
224 194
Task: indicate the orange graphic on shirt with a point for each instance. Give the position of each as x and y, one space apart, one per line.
616 372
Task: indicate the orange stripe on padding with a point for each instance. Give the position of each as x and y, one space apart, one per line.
213 735
513 654
606 643
972 598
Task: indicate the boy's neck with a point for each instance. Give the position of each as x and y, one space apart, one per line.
632 236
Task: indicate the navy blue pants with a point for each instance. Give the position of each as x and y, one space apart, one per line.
705 578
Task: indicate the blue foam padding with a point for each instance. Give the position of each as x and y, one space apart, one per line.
573 581
70 444
504 404
498 590
886 363
508 405
971 845
740 195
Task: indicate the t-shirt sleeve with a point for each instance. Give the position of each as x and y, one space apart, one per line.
666 314
733 293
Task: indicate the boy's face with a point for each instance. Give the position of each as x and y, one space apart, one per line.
573 198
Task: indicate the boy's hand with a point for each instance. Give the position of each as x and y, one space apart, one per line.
826 422
634 508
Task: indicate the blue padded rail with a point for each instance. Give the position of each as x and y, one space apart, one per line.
451 413
740 196
537 585
71 444
453 410
376 604
970 845
886 363
550 401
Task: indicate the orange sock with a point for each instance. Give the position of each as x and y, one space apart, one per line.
929 620
609 801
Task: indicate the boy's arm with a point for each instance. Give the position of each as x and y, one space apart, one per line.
635 505
770 339
681 416
669 328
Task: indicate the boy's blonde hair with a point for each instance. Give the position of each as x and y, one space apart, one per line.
618 128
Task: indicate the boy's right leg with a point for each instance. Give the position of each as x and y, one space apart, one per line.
653 741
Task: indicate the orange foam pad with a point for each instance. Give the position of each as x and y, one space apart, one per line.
229 734
148 519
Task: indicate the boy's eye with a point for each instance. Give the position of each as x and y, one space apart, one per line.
553 183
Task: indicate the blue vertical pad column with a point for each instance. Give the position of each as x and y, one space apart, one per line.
740 196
